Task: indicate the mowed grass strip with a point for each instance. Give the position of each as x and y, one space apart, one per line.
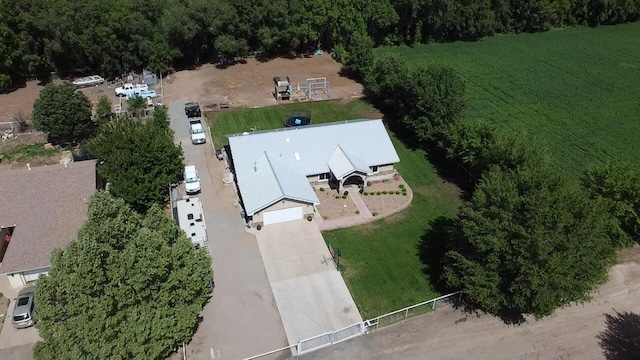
576 89
380 260
267 118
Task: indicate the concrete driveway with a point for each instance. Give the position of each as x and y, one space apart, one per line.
11 337
311 295
241 319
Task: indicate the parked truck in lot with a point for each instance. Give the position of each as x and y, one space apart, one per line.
130 89
198 136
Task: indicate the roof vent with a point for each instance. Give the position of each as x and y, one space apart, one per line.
255 166
287 140
297 155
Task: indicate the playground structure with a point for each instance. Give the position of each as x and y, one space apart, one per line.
312 89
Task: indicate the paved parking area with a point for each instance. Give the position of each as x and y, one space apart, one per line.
242 319
311 295
11 337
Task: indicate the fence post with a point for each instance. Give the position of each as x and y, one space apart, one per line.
433 307
406 313
460 297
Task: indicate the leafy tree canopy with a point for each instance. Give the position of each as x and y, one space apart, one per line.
529 242
63 113
130 287
103 110
619 185
141 160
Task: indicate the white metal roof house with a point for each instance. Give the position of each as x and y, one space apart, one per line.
275 170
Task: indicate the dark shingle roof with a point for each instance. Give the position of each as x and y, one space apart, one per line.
47 205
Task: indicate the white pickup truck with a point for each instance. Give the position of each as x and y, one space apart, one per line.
198 136
129 89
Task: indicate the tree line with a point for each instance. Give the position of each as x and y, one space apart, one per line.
81 37
529 239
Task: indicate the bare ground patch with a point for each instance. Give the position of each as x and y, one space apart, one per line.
386 197
331 208
250 84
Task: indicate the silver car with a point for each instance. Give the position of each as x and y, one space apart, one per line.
25 309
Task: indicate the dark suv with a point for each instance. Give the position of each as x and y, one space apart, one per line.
192 109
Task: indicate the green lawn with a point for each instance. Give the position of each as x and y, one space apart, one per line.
238 121
380 260
578 89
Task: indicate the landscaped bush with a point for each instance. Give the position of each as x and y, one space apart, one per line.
384 192
404 193
321 189
357 211
368 183
397 192
365 193
346 193
344 197
378 193
337 196
401 186
374 213
309 218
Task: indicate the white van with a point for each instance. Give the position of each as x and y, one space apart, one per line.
191 180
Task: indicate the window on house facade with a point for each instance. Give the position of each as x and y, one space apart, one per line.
374 169
324 176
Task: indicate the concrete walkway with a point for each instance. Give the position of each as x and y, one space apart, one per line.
311 295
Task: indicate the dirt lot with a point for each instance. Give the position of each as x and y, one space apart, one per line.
451 334
241 85
251 84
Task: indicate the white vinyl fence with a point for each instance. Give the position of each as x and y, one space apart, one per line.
357 329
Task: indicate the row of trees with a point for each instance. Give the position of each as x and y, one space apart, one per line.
139 159
131 285
530 239
70 36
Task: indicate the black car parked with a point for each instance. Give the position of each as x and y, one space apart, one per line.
192 109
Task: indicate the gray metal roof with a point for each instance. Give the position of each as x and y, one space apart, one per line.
343 163
303 152
276 181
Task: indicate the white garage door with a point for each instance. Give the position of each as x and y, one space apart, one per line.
278 216
34 274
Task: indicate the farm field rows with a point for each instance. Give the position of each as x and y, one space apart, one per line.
576 89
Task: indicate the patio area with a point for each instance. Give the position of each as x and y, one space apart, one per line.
380 199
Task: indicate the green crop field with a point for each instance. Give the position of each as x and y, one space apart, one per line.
577 89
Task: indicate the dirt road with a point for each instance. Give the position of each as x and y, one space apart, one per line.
451 334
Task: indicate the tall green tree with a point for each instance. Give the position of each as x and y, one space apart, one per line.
136 105
437 99
130 286
140 160
529 241
478 147
619 185
359 55
103 110
64 114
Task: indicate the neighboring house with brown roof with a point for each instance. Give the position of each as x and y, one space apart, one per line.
41 209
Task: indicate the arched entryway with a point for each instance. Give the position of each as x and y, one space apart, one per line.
358 180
